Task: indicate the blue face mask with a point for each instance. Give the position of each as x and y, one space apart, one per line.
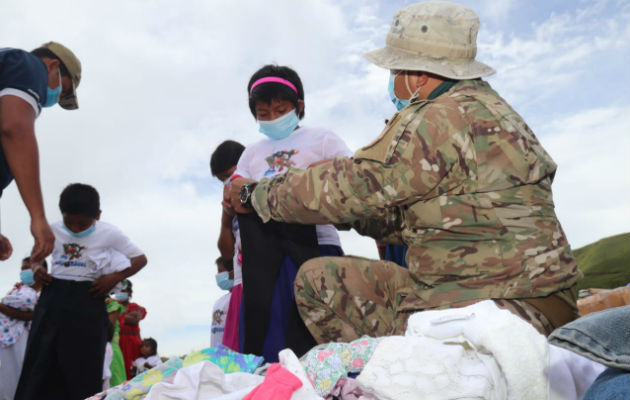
83 234
280 127
52 95
224 281
399 103
27 277
121 296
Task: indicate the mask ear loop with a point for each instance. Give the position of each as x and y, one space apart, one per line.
413 92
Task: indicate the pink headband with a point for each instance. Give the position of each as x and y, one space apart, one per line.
273 79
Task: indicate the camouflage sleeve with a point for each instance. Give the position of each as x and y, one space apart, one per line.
386 227
418 156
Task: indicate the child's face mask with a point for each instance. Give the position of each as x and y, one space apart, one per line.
281 127
121 296
27 278
223 280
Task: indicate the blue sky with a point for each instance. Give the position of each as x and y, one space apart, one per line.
164 85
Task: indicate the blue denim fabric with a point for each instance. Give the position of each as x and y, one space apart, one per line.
612 384
603 337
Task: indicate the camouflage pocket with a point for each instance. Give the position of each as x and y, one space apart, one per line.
394 138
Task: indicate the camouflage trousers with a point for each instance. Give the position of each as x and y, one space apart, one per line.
344 298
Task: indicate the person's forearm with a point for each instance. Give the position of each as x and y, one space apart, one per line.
20 149
15 313
137 263
226 239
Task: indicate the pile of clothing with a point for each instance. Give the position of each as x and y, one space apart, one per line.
479 351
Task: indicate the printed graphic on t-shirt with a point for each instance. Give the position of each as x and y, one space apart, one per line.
71 251
280 160
217 321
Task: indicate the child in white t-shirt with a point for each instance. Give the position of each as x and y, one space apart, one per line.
225 281
222 165
149 358
65 353
276 100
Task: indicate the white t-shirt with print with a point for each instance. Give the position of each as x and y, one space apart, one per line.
219 314
87 258
303 147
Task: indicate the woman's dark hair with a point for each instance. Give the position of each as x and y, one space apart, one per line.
152 343
225 156
43 52
269 91
80 199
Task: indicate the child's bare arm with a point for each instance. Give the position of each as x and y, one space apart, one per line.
103 285
15 313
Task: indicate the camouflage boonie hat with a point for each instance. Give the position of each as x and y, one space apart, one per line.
434 36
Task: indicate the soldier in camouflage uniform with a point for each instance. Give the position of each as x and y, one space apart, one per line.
456 175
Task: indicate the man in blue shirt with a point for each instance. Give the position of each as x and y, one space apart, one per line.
44 77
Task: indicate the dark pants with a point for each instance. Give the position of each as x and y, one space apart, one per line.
264 247
66 345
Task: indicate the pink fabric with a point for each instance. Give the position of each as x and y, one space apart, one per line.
279 384
230 332
273 79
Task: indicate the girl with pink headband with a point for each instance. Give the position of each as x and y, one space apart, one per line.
270 318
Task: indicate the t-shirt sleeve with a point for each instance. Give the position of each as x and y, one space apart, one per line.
242 167
334 146
118 262
121 243
23 75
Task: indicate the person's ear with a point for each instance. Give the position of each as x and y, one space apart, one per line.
421 80
300 107
98 215
52 63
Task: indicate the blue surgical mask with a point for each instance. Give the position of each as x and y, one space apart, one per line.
280 127
121 296
224 281
52 95
399 103
83 234
27 277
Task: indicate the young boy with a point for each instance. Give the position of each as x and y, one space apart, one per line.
65 351
225 281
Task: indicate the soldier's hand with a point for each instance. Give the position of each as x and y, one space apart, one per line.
5 248
235 189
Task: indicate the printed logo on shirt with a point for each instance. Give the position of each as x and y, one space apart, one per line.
279 161
72 251
217 317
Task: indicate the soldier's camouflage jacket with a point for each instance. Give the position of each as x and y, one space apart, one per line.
462 181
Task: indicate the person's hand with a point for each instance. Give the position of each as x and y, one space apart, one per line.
40 274
235 188
5 248
133 317
44 239
103 285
